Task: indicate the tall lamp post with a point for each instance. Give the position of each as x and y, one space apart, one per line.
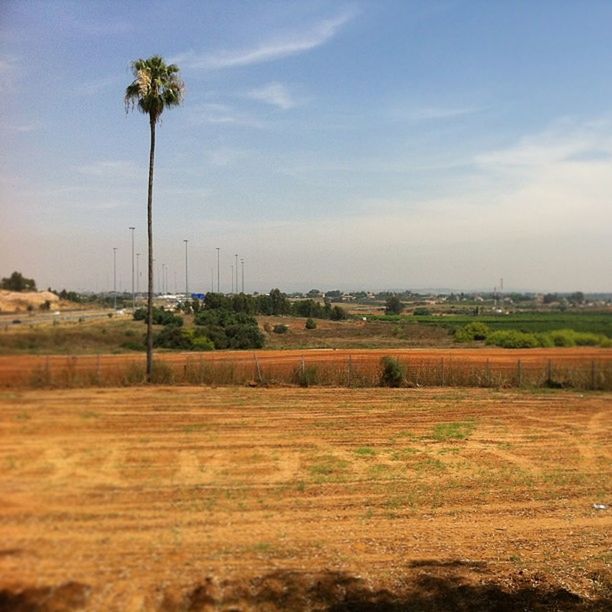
242 265
133 290
236 268
218 272
186 271
115 278
232 268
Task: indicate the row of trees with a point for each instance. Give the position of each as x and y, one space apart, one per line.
275 303
17 282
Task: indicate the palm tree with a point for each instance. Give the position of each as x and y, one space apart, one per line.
156 86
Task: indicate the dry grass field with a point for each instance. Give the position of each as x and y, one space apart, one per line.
194 498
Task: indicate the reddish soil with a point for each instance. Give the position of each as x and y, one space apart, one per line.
17 369
192 498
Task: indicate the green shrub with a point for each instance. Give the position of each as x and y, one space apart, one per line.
173 337
310 324
160 317
563 337
280 329
544 340
471 332
202 343
306 376
338 314
513 339
421 311
393 373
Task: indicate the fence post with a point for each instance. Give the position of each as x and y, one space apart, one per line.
519 373
549 372
259 378
350 371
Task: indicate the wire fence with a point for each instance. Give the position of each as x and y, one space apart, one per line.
360 370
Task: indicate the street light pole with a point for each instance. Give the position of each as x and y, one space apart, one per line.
218 272
232 268
242 264
186 271
236 268
115 278
133 290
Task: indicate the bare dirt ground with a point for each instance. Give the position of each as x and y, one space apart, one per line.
16 370
192 498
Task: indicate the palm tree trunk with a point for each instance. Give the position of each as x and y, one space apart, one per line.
150 242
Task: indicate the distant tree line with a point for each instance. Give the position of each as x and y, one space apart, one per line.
17 282
273 304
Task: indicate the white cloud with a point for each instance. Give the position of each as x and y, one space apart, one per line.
276 48
434 112
111 169
222 114
96 86
275 94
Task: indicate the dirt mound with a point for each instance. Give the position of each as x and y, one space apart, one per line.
19 301
434 587
68 596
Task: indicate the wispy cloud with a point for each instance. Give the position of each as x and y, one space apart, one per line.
276 48
222 114
110 169
96 86
275 94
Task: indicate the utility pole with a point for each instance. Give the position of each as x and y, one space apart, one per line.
115 278
218 272
138 273
242 264
133 290
232 268
236 268
186 271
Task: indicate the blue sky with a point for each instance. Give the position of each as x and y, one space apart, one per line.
383 144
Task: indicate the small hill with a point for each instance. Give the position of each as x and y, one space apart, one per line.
19 301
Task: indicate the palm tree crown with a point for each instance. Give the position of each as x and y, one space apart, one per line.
156 86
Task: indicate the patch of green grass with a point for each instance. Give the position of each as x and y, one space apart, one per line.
429 465
458 430
403 454
328 468
194 427
365 451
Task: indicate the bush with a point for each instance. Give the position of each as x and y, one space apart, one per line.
202 343
280 329
563 337
338 314
310 324
393 374
393 305
173 337
471 332
513 339
306 376
244 336
421 311
160 317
